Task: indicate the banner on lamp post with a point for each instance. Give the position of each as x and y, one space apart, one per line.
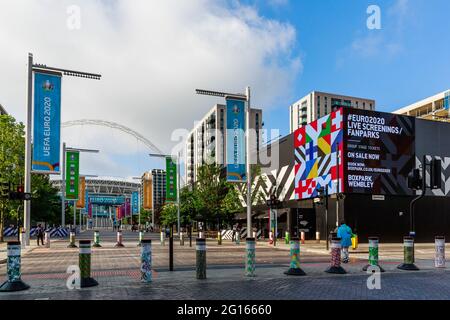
82 193
47 123
235 140
171 181
135 202
72 174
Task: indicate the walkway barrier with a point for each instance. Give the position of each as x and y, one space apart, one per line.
408 250
96 239
250 257
119 243
72 240
373 254
85 265
146 260
200 258
13 264
439 260
47 239
294 268
336 257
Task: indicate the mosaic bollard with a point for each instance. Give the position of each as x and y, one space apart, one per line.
141 236
201 258
162 238
96 239
47 239
294 268
336 257
250 257
219 238
119 243
72 240
85 265
439 260
146 260
408 249
14 281
286 237
373 254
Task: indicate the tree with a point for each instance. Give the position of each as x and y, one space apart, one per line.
45 203
169 214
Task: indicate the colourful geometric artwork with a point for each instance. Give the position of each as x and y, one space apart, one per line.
318 150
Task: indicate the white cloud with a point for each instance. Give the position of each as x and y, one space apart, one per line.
152 55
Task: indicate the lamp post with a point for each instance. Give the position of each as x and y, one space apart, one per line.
27 177
245 96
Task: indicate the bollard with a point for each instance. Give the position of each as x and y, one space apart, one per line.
201 258
373 254
47 239
294 269
439 260
146 260
162 239
355 242
96 239
286 237
317 237
408 250
14 281
250 261
336 257
72 240
119 239
238 238
85 265
181 239
141 236
303 237
219 238
23 236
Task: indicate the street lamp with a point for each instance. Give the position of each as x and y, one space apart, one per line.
38 67
245 96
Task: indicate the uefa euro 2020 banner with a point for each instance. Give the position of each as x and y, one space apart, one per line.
47 123
135 202
236 140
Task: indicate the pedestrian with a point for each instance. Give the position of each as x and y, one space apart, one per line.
40 234
345 233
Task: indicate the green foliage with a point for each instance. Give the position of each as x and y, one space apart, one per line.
169 215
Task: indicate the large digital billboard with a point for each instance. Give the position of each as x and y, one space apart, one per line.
379 152
354 151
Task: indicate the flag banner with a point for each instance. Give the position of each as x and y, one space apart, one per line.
81 191
90 210
235 140
135 202
127 207
148 191
47 123
72 174
171 181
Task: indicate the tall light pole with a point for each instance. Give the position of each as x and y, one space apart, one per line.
27 177
245 96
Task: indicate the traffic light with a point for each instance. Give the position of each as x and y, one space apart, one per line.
20 194
415 180
435 174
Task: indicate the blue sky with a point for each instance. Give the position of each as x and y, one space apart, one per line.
407 60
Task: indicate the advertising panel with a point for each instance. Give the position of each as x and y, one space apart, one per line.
379 152
47 123
235 140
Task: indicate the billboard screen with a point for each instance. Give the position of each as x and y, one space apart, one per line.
379 152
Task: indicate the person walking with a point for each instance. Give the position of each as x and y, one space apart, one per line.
40 234
345 233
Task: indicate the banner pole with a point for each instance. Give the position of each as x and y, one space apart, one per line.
63 186
27 204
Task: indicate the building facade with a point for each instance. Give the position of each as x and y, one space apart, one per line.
435 108
318 104
206 143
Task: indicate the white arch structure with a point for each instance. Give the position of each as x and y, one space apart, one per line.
113 125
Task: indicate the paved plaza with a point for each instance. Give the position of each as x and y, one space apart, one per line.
118 275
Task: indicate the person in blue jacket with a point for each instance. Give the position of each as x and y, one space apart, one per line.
345 233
